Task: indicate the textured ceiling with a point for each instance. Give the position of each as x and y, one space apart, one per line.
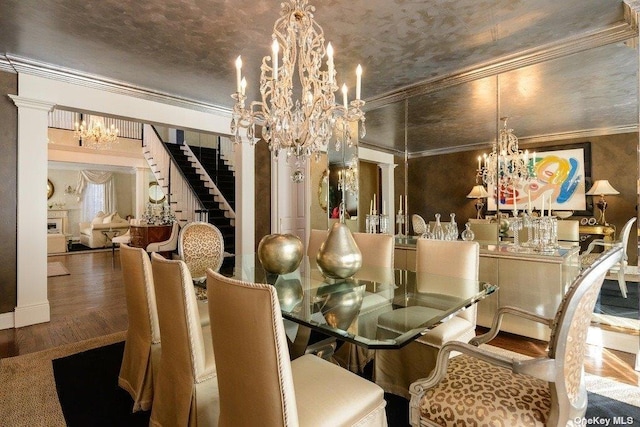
440 55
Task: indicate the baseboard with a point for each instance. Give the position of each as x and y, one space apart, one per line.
7 320
32 314
613 340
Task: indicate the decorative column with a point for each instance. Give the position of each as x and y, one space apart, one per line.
245 221
388 192
32 305
141 191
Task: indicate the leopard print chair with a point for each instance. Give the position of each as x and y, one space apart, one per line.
481 388
201 246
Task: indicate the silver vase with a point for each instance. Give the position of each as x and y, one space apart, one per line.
339 256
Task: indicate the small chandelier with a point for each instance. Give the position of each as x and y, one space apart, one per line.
304 126
506 166
348 177
96 135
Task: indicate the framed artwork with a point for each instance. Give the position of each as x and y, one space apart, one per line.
562 175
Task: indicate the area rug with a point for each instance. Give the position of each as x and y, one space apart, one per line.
28 394
56 269
76 385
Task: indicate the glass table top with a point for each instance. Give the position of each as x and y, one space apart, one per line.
376 308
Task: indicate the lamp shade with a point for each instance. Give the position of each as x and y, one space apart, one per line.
478 192
601 188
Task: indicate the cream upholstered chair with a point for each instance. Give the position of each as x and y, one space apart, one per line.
395 370
419 225
542 391
168 245
484 232
569 232
251 357
316 239
186 393
142 346
377 265
588 257
201 247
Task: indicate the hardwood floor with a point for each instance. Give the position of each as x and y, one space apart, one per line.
90 302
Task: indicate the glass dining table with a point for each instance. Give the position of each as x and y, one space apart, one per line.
377 308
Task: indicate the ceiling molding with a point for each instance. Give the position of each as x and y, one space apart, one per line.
525 141
5 65
618 32
28 66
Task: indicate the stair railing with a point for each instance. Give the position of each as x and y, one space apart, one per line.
180 195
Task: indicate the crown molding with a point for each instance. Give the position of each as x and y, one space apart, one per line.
617 32
530 140
24 65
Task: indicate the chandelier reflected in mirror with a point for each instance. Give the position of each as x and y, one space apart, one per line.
506 168
96 135
304 126
348 177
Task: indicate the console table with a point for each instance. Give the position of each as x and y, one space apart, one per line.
142 235
590 232
530 280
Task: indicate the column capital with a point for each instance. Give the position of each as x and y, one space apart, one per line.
34 104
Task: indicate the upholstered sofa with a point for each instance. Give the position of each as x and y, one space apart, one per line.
98 232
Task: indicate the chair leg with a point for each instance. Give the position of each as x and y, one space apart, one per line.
621 281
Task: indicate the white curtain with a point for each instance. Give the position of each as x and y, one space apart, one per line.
96 191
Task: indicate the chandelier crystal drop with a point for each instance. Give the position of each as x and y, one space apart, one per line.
303 126
96 135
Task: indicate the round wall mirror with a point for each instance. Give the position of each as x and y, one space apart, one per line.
50 189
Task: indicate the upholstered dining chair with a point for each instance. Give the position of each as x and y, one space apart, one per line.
587 258
201 247
395 370
547 390
251 357
186 393
484 232
141 358
171 244
316 238
377 265
419 225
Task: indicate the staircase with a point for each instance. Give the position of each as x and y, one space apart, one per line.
219 171
192 194
210 202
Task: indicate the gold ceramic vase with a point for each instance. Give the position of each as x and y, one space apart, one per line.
339 256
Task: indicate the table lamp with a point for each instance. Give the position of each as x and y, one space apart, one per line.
602 188
478 192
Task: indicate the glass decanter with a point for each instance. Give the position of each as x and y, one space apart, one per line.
467 233
438 231
452 228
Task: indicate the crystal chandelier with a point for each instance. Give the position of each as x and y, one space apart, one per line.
304 126
96 135
507 166
348 177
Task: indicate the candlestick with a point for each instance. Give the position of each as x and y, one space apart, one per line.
238 74
401 203
358 81
529 200
371 207
542 210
